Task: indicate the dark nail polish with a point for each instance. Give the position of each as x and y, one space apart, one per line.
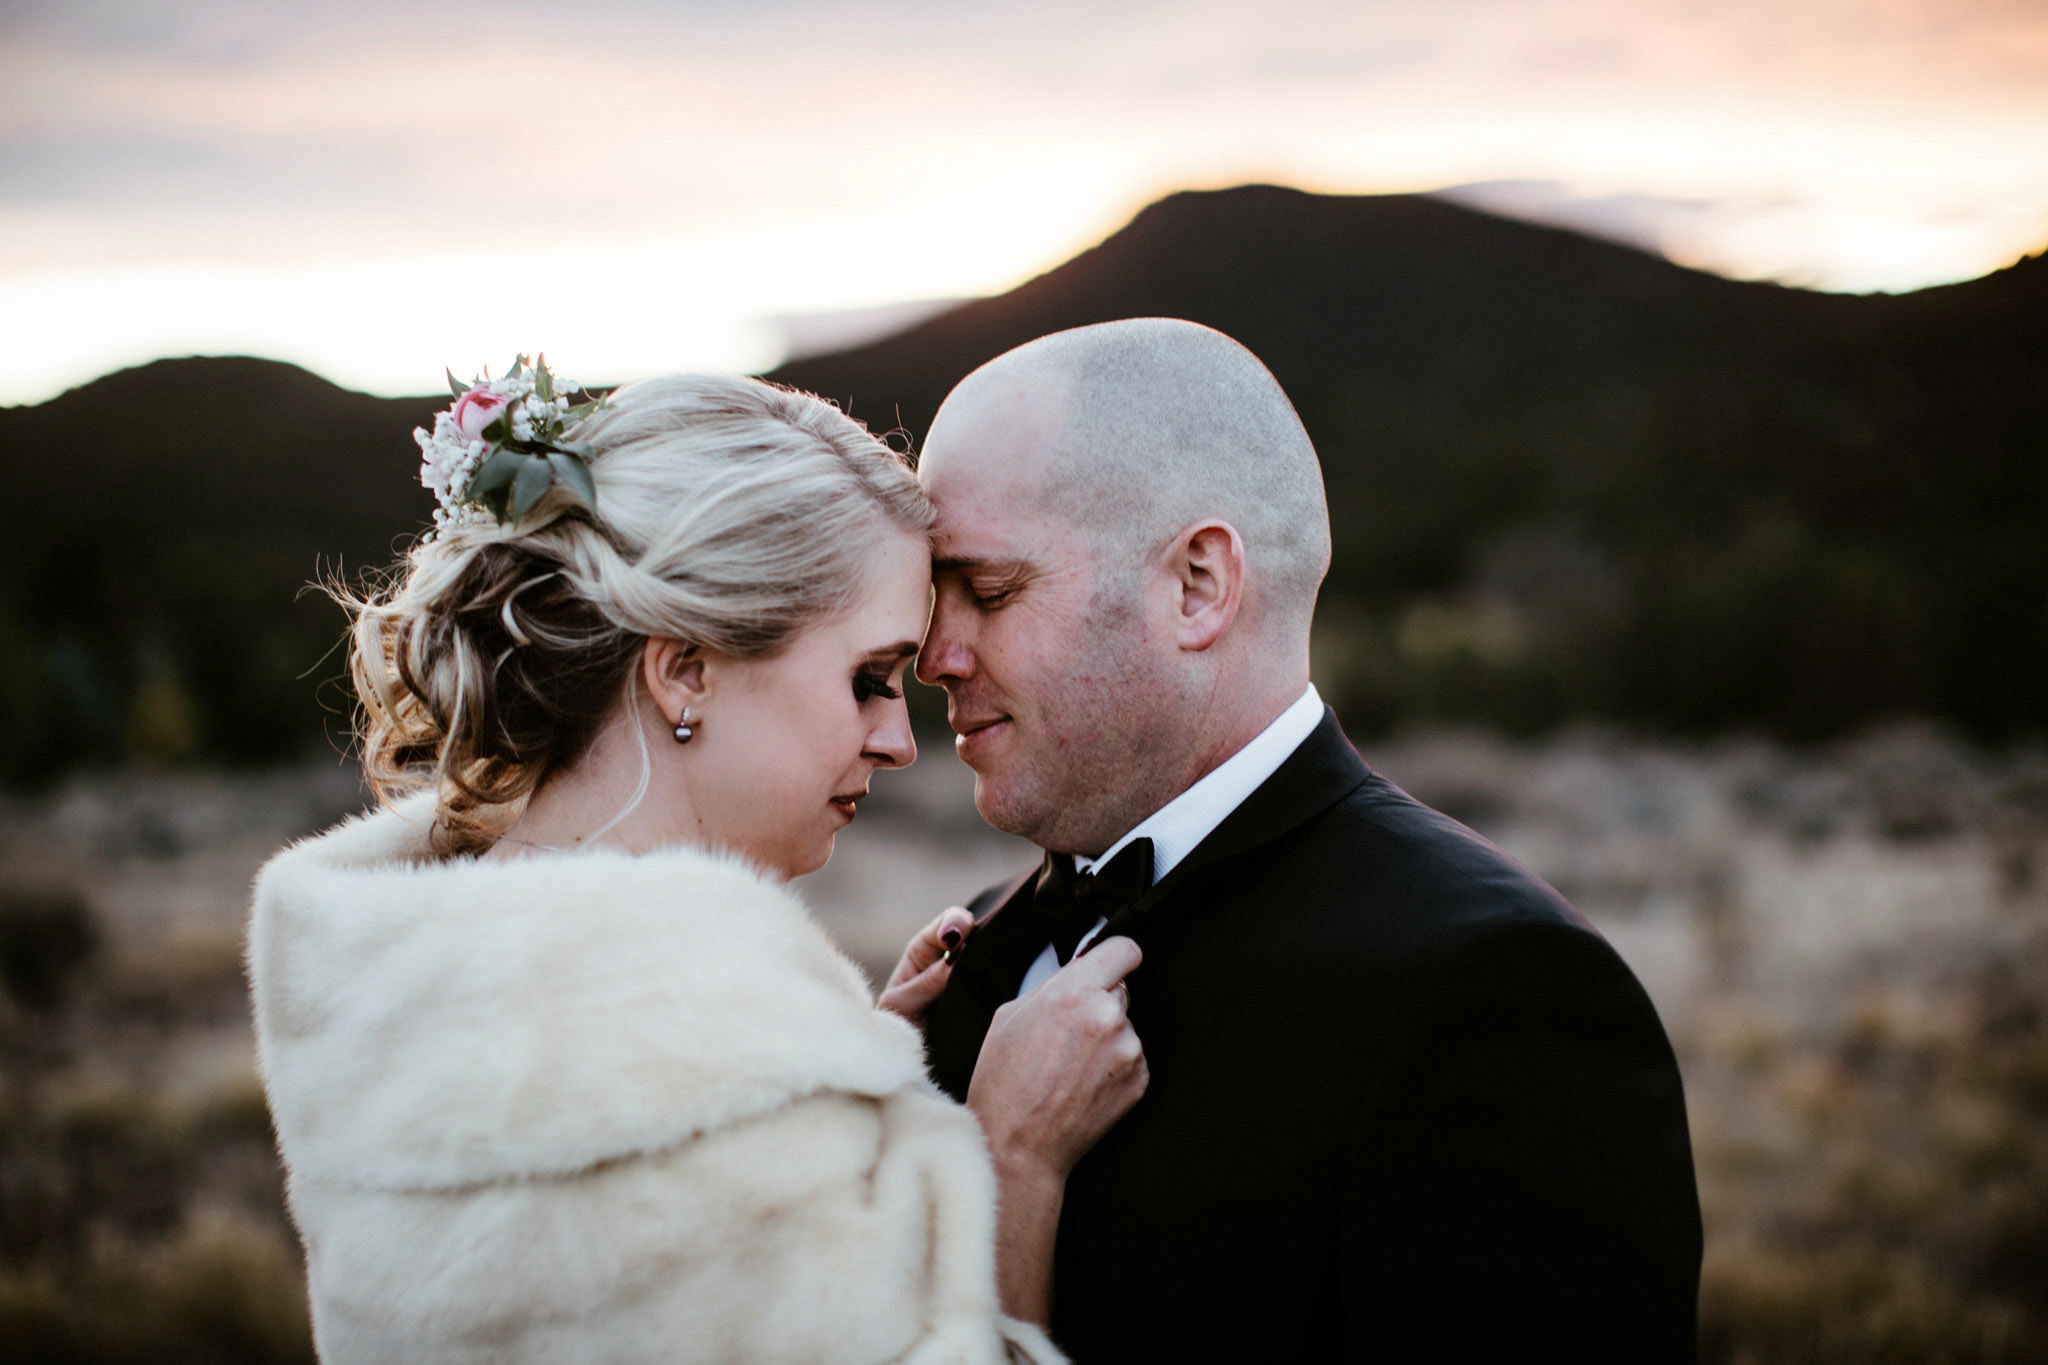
952 938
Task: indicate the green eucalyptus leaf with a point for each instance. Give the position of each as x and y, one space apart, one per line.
518 367
530 484
495 473
576 474
499 432
544 383
455 386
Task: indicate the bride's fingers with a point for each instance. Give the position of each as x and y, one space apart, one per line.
932 943
911 996
943 936
953 926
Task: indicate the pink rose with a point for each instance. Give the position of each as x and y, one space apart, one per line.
476 410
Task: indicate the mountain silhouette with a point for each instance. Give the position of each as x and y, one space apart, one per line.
1325 288
1567 479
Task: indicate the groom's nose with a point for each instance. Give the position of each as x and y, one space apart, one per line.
945 653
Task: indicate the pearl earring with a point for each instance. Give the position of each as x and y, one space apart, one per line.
684 728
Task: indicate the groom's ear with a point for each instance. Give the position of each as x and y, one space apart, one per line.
676 675
1207 561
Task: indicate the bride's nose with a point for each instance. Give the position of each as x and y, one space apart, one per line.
891 744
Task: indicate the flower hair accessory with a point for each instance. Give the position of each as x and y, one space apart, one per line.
492 455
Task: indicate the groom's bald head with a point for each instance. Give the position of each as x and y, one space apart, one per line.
1129 540
1145 426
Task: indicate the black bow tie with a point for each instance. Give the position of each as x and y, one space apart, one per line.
1069 902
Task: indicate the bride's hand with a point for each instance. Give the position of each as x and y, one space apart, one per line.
1057 1070
926 965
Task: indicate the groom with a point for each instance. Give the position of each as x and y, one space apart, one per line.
1405 1103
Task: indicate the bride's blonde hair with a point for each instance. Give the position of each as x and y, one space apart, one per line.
732 514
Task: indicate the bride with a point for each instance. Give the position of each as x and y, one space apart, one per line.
560 1068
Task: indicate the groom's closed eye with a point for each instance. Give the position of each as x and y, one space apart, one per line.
990 597
988 584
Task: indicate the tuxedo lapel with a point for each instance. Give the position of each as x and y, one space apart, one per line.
1320 772
987 970
1006 938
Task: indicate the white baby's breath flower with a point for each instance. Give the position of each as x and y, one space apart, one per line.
454 449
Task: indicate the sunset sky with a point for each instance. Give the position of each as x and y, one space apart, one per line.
380 189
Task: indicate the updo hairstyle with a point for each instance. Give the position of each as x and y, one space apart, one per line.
732 514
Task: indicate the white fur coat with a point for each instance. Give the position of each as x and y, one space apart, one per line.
592 1107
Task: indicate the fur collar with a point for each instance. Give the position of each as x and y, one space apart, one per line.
428 1023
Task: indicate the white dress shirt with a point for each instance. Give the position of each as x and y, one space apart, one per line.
1176 827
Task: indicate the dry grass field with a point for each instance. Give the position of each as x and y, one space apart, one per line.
1849 947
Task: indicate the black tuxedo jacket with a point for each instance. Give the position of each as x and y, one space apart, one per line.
1406 1104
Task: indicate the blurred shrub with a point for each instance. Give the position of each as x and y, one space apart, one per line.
225 1289
189 978
106 1167
1864 1306
1905 1218
134 1225
46 939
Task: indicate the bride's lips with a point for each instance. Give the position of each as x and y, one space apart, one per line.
845 804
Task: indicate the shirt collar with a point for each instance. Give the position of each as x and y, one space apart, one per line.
1176 827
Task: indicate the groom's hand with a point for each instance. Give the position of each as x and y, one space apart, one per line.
1061 1065
926 965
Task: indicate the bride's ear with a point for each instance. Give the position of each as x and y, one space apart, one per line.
676 675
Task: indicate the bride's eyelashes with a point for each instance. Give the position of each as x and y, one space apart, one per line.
870 683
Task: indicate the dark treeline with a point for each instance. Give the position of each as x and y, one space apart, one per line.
1568 480
153 579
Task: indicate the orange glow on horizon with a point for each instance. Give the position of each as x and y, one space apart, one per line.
373 209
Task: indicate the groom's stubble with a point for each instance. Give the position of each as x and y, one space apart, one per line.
1091 750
